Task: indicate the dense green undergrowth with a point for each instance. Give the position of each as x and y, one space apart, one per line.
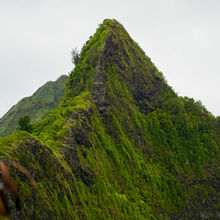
134 150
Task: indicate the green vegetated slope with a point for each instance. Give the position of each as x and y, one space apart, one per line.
36 106
121 144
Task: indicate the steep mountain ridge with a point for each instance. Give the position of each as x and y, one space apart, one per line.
36 106
121 144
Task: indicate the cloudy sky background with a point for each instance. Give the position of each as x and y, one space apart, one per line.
182 37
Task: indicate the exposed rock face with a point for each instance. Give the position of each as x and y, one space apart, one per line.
78 136
99 85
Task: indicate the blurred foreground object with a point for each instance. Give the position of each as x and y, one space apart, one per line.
12 187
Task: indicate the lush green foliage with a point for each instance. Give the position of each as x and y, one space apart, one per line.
54 128
155 157
24 124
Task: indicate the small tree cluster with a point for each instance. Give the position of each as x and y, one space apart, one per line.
24 123
75 56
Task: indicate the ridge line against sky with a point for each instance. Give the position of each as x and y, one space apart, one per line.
181 38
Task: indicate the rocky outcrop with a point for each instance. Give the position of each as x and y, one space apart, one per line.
78 136
99 85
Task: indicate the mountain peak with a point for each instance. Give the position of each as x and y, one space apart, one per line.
111 53
121 144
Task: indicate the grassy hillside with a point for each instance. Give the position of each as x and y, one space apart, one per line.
36 106
120 145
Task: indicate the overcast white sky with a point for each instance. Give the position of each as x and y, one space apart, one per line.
182 37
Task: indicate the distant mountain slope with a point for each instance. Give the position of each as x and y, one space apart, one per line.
36 106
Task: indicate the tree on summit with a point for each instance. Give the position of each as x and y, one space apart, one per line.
75 56
24 123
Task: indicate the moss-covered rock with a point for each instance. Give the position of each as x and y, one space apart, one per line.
121 144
